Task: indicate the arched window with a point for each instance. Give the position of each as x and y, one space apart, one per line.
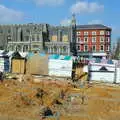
25 48
18 48
52 49
55 49
64 49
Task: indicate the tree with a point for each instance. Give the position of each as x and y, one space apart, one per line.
117 51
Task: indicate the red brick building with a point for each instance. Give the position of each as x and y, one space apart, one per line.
93 39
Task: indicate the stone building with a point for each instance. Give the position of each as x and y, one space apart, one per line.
27 37
39 37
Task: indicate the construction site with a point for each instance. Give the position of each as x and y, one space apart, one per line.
30 97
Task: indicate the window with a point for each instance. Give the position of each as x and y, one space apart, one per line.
93 33
107 32
27 30
86 39
9 31
85 33
18 48
93 39
9 38
54 38
1 31
33 38
26 38
107 39
55 49
35 46
102 48
25 48
107 48
35 28
64 49
85 48
65 38
93 48
78 33
102 32
78 48
78 39
37 37
102 39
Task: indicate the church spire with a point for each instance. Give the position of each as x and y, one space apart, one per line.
73 20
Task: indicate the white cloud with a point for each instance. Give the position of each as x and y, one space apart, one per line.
95 22
8 15
86 7
65 22
49 2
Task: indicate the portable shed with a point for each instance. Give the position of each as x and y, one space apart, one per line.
18 63
37 64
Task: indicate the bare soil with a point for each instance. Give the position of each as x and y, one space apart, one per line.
18 101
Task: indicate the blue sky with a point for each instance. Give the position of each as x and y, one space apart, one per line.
58 12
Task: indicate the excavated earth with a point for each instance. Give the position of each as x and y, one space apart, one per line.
18 100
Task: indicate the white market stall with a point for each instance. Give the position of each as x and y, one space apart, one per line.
60 66
5 61
102 72
118 75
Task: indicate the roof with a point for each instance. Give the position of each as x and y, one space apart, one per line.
60 57
23 54
92 26
17 55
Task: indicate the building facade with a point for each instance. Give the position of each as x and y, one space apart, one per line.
26 37
81 40
38 37
93 39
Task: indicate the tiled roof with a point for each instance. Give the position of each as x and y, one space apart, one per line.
92 26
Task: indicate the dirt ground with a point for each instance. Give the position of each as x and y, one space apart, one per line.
18 100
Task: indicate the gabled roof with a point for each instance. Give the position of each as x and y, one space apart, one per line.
16 55
92 26
103 68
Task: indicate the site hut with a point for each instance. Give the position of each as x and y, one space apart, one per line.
37 63
18 63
